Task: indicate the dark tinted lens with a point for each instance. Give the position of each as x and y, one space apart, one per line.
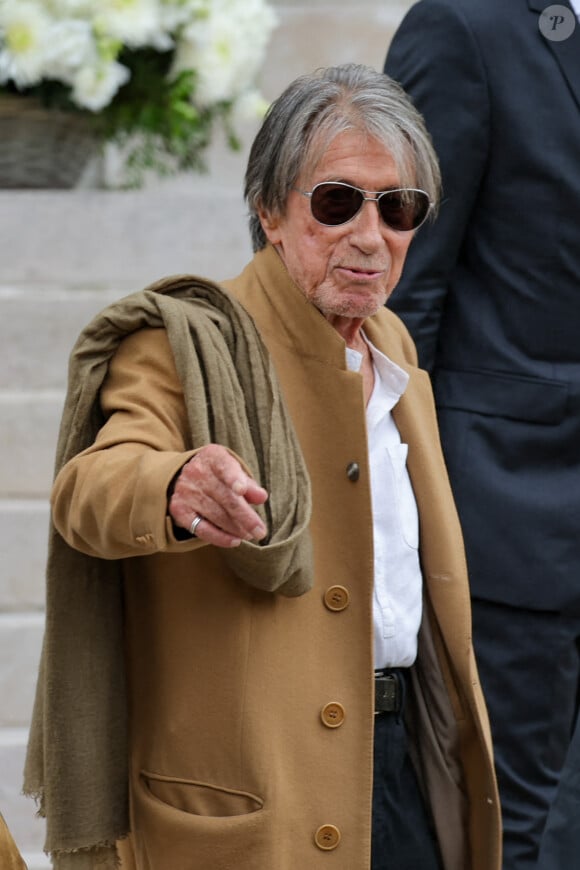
404 209
334 204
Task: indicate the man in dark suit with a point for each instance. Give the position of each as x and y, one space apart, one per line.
491 294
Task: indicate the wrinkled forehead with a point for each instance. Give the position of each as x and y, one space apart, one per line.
395 144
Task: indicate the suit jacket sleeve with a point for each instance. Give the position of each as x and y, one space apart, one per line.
436 57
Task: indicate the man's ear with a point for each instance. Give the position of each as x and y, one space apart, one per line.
270 225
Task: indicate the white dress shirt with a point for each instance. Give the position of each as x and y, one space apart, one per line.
397 601
575 4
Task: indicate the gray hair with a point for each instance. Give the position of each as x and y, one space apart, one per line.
316 108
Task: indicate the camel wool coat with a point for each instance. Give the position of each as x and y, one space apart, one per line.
10 858
251 714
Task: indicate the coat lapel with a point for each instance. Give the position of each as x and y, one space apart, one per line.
566 52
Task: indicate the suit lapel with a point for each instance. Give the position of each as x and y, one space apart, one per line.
566 52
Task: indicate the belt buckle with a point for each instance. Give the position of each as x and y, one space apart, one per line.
387 693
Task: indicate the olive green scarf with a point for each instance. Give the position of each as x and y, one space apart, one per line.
76 765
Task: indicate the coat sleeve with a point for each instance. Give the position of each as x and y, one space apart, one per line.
436 57
111 500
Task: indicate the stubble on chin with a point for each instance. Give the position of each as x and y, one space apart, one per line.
355 306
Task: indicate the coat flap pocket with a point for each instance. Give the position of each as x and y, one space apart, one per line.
200 798
499 394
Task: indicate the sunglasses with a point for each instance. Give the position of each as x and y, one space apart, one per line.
333 203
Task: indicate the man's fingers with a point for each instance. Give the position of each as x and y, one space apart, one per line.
230 514
213 485
206 531
250 490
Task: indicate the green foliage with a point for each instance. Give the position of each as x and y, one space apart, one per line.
155 117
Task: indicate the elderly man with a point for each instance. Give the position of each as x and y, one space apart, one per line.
258 469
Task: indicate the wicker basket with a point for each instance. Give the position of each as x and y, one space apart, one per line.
42 148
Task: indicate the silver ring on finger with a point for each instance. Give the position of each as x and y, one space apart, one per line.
193 527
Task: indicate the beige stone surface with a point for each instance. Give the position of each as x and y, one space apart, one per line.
20 643
23 546
310 35
30 422
39 326
19 812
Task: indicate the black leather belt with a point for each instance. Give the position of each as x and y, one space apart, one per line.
390 690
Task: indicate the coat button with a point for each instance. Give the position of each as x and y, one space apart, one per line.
332 715
353 471
336 598
327 837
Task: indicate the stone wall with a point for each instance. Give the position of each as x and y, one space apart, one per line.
63 255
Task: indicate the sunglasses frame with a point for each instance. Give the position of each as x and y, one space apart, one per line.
377 194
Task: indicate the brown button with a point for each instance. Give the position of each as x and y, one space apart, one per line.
353 471
332 715
336 598
327 837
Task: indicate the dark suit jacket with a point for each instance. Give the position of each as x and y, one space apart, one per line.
491 292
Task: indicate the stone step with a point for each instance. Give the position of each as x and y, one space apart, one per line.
30 424
19 811
23 549
36 861
38 327
121 239
20 644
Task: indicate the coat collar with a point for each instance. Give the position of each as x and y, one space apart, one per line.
292 320
284 316
566 52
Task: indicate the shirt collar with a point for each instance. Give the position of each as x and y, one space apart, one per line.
391 381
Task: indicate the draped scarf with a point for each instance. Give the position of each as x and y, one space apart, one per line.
77 758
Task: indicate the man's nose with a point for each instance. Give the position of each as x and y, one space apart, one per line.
368 226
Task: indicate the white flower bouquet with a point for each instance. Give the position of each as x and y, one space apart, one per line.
156 74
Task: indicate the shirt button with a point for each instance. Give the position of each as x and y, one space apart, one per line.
353 471
327 837
332 715
336 598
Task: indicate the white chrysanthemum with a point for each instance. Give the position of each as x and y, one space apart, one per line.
226 47
71 47
175 13
74 8
135 23
248 107
24 29
95 86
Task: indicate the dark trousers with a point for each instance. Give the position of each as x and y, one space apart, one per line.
560 847
529 665
402 835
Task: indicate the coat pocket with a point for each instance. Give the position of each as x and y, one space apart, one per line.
190 825
200 798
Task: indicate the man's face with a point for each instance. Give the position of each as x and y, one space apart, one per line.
348 270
